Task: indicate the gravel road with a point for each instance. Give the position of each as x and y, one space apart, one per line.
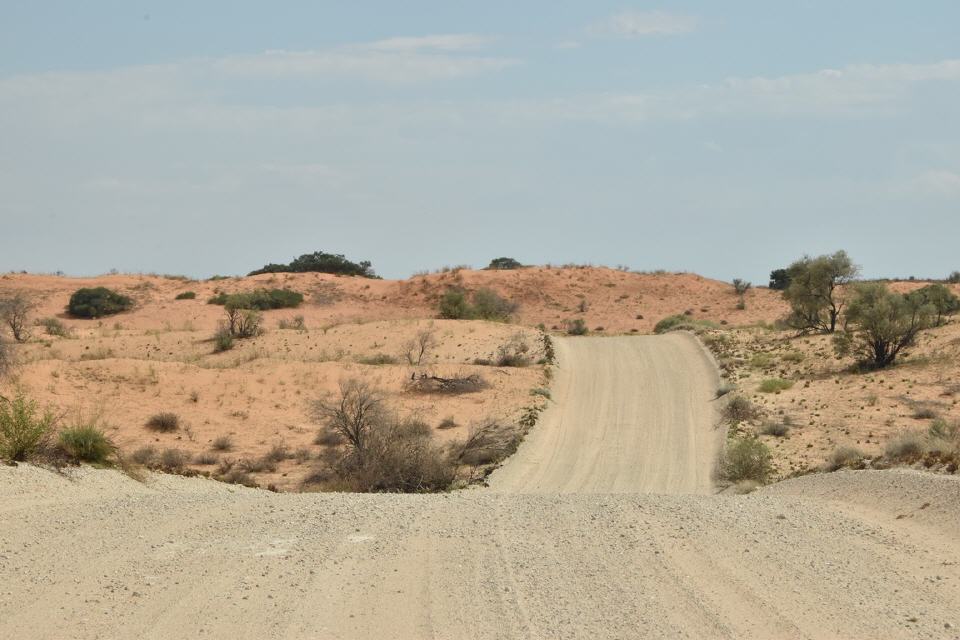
95 554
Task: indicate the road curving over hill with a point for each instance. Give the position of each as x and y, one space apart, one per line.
629 414
585 534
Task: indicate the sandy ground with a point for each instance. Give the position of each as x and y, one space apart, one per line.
94 554
629 414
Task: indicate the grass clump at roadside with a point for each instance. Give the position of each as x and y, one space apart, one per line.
739 409
683 323
845 457
25 428
87 443
745 458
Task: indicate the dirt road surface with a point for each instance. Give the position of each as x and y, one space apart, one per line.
95 554
629 414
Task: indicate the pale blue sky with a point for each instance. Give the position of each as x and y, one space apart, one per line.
725 138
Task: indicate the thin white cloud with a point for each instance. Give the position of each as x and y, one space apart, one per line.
637 24
444 42
937 182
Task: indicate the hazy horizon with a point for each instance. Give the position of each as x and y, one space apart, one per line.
685 136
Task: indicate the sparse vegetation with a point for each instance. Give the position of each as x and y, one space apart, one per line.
25 428
427 383
682 322
939 297
419 347
515 353
296 323
87 443
172 460
222 339
745 458
259 299
6 357
907 447
775 429
145 456
97 302
186 295
54 327
774 385
486 305
222 443
164 422
739 409
577 327
321 262
844 456
377 359
15 310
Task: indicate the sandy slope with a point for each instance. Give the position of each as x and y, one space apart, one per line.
629 414
94 554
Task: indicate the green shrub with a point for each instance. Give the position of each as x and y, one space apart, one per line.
745 459
87 444
186 295
491 306
577 327
775 385
455 306
222 339
24 429
165 422
682 322
845 456
940 429
259 299
97 302
954 277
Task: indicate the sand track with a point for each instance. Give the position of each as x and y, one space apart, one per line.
94 554
629 415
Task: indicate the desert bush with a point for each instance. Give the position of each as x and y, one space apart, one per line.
906 447
682 322
954 277
15 310
491 306
514 353
353 413
186 295
501 264
774 385
779 279
172 460
206 459
739 409
844 456
278 452
165 422
328 437
793 356
940 429
879 324
488 443
775 429
924 412
377 359
243 323
425 383
419 347
97 302
448 423
455 306
259 299
145 456
813 293
577 327
222 443
745 458
6 357
24 428
222 339
87 443
54 327
297 323
740 287
321 262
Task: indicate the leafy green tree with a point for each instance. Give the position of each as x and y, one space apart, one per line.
813 293
879 324
504 264
779 279
942 299
321 262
